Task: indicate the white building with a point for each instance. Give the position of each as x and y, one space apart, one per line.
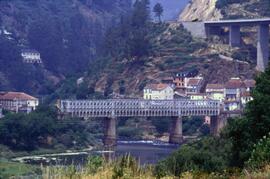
245 98
31 56
215 91
198 96
18 102
158 92
233 89
1 112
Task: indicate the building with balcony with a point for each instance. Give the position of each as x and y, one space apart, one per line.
233 90
18 102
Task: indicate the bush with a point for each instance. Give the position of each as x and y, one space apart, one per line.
191 125
94 163
205 129
129 132
161 123
206 155
260 155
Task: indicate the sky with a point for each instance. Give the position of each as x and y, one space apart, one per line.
172 8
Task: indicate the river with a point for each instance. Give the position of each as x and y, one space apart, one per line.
147 152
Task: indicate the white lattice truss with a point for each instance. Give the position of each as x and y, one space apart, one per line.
140 108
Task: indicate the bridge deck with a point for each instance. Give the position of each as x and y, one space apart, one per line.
143 108
240 22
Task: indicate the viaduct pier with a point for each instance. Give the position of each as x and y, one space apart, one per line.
207 28
110 110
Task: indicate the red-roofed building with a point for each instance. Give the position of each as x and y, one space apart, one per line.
159 91
250 84
194 85
215 91
18 102
233 89
245 98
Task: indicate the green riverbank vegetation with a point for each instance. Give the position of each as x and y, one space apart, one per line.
41 132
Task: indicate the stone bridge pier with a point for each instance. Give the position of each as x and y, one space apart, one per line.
217 123
263 47
176 129
235 35
176 133
109 139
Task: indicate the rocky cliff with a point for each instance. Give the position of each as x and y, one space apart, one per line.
222 9
199 10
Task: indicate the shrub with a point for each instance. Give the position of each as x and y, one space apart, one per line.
93 164
161 124
260 156
129 132
207 155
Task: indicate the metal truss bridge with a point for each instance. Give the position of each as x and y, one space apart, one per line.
138 107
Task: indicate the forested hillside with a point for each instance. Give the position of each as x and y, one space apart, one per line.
244 8
67 33
138 51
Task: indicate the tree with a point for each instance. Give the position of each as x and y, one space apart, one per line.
158 10
248 130
207 155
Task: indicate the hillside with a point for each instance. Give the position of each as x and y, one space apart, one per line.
200 10
67 33
173 49
244 8
225 9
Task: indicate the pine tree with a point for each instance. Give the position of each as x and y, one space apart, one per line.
158 10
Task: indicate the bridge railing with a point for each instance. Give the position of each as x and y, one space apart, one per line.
138 107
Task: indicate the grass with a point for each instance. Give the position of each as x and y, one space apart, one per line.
97 168
12 169
125 167
110 172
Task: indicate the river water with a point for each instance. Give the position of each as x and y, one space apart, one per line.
146 152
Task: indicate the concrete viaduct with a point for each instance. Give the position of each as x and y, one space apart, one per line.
208 28
110 109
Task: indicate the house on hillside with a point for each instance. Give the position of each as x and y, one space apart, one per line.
1 112
245 98
181 78
159 91
249 85
18 102
194 85
233 90
31 56
215 91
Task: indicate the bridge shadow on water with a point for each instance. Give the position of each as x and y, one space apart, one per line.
145 152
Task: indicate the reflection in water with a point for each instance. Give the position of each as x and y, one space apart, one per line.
146 152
